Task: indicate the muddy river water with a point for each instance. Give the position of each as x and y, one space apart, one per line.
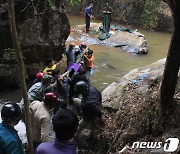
111 62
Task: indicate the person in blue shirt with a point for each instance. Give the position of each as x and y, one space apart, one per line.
88 16
10 142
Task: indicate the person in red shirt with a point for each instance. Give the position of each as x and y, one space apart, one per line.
89 61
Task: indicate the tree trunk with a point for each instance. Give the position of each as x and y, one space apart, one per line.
169 81
21 72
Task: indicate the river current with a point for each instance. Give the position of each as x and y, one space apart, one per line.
112 63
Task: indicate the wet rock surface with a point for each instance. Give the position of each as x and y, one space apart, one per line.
132 42
42 29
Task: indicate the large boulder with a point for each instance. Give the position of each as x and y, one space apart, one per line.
43 28
128 40
139 80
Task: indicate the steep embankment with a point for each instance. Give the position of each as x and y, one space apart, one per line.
132 113
135 97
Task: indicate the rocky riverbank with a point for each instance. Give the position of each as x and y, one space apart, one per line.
132 113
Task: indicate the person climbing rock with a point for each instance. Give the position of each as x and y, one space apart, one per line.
88 16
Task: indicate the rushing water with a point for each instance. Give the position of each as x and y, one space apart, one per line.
111 62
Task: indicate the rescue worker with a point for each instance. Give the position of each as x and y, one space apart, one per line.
79 76
70 54
83 50
83 47
51 66
10 142
40 117
62 87
77 52
89 61
107 14
65 125
38 90
88 16
90 104
39 76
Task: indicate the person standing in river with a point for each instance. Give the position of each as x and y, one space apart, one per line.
106 20
88 16
89 61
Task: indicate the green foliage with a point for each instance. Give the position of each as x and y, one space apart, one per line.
150 15
50 3
73 2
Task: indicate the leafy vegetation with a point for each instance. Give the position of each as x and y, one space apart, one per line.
150 16
73 2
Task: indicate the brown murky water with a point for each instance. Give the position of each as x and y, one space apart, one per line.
111 63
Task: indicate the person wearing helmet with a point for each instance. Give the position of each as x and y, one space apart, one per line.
9 140
89 61
90 104
40 118
65 124
79 76
39 76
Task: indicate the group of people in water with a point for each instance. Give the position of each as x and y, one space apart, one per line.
68 102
